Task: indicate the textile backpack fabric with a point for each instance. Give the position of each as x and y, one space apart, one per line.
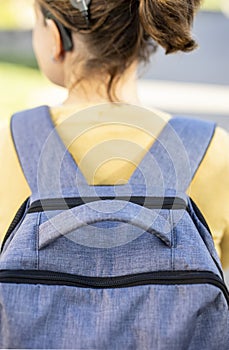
111 267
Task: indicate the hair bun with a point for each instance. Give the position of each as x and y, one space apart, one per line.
169 22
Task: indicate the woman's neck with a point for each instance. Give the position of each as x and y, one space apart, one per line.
93 92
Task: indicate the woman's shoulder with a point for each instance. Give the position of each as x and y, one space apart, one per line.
221 137
210 186
213 172
218 151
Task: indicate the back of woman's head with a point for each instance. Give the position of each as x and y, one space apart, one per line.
121 32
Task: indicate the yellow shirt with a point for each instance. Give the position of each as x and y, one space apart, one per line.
91 137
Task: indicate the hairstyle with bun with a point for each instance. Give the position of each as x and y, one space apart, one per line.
124 31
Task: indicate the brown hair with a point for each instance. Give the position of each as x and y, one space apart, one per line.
121 32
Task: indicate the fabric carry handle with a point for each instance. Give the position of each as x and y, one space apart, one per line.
107 210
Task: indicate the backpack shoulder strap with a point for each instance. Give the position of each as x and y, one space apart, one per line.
196 136
48 167
51 171
176 155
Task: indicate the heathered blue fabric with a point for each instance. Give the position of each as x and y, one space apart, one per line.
129 240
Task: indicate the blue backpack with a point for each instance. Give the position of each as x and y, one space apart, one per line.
111 267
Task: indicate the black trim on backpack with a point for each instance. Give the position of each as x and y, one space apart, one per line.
201 218
16 221
170 203
200 215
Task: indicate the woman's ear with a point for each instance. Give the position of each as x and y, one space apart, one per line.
56 42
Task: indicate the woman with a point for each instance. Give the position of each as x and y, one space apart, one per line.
93 49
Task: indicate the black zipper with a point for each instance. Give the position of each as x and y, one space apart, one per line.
148 278
68 203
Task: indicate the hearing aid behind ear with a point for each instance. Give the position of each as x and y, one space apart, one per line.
65 33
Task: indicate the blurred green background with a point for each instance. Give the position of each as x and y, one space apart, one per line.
22 85
19 13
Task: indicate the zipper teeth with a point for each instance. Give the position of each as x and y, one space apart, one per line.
160 278
66 203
